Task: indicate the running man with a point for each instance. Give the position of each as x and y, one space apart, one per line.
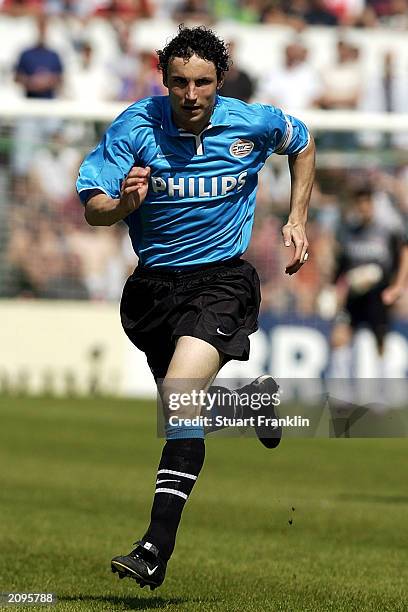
372 263
182 171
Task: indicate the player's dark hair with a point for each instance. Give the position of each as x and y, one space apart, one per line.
199 41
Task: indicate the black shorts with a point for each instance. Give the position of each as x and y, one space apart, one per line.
370 311
218 303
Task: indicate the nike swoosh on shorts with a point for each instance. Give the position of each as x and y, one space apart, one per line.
219 331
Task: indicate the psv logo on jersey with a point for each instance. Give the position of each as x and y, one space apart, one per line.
241 147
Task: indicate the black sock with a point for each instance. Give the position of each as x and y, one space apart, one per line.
179 467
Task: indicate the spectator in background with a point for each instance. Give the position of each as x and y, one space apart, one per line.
67 283
149 82
342 89
250 11
224 9
397 15
245 11
165 9
317 13
126 67
293 86
342 81
277 13
88 80
380 7
366 18
100 256
39 71
386 91
77 8
193 10
127 10
34 252
22 7
52 171
41 266
237 83
298 13
57 7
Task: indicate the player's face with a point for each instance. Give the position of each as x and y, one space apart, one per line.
192 89
365 209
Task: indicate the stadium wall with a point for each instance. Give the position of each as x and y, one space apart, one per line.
69 348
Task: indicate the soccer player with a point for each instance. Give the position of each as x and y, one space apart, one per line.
372 259
182 170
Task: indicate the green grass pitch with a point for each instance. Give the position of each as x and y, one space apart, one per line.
316 525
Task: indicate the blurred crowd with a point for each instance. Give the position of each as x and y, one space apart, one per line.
294 13
46 248
113 60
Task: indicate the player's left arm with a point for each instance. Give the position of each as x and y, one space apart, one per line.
302 170
400 282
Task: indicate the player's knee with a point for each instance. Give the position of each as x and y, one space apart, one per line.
179 398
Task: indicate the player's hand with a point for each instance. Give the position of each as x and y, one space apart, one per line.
134 188
391 294
295 233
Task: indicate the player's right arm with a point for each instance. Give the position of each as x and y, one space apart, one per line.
399 284
100 209
113 181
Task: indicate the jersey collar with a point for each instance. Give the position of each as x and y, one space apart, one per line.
219 117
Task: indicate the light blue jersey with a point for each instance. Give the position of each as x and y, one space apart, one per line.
201 199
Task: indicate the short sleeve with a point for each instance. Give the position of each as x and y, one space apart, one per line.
287 135
105 168
21 66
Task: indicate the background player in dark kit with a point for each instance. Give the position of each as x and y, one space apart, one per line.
372 259
182 171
